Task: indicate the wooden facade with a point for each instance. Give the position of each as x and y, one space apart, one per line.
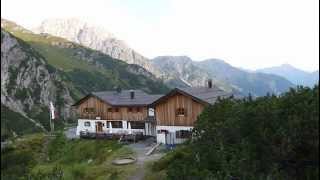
92 107
168 112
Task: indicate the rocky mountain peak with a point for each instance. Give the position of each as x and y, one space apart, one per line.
73 29
95 37
11 25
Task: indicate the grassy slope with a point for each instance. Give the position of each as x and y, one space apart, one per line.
77 159
83 73
20 126
14 123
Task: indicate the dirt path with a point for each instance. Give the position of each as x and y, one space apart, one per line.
140 149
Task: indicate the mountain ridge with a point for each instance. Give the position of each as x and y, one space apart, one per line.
293 74
224 74
98 38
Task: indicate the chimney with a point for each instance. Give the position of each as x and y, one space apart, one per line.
209 83
132 94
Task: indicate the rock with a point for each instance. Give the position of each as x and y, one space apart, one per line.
89 161
97 38
27 85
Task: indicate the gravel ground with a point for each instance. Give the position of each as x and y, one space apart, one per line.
141 148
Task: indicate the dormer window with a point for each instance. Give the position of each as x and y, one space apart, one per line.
181 112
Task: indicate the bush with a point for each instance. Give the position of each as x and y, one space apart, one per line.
15 164
267 138
47 173
172 156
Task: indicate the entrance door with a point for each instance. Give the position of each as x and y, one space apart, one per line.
99 127
148 129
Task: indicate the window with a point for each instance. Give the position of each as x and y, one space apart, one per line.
116 109
162 131
181 112
151 112
138 109
137 125
89 110
109 109
129 109
183 134
116 124
87 124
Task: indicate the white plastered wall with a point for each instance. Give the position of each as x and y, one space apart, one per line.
162 138
92 127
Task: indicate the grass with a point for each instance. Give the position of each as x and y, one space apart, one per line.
40 157
12 123
151 174
157 170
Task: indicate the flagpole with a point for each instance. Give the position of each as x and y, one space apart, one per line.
50 120
52 125
52 117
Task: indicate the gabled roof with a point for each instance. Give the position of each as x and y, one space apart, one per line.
123 98
203 95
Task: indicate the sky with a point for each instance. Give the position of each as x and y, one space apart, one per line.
250 34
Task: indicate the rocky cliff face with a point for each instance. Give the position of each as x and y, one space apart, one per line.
187 71
84 69
28 84
97 38
182 68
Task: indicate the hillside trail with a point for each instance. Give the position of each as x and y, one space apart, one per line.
141 148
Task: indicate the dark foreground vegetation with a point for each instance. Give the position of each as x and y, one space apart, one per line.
266 138
40 157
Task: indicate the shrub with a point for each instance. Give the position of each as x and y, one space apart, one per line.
267 138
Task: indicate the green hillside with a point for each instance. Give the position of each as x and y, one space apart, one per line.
13 123
86 69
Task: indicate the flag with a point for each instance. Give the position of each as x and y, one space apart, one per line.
52 111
